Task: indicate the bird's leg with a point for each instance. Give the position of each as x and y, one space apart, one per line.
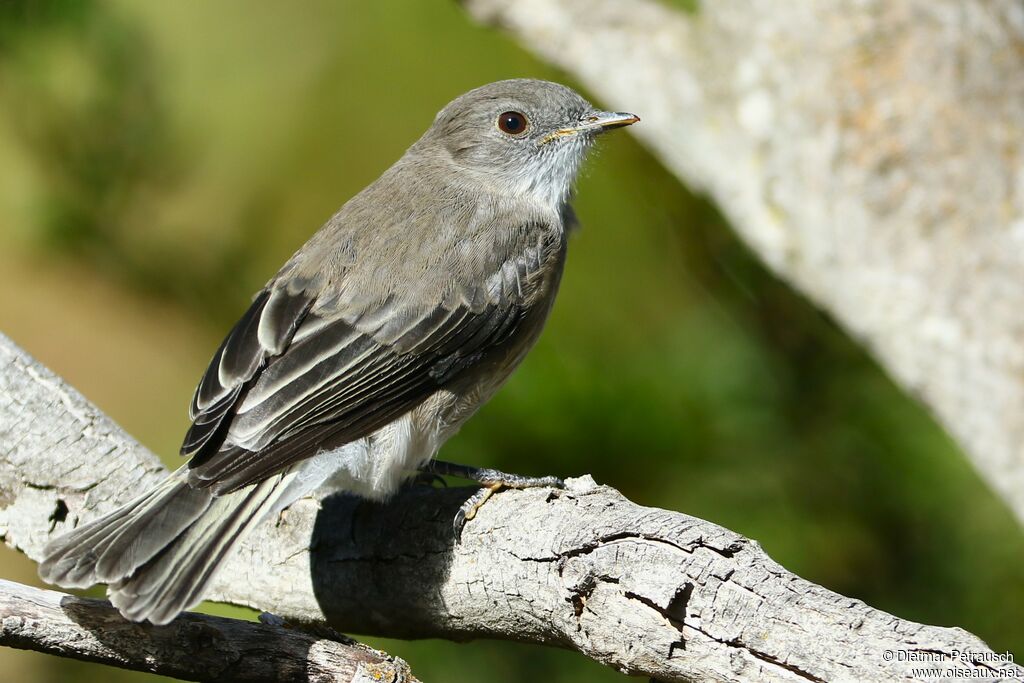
488 477
491 480
429 479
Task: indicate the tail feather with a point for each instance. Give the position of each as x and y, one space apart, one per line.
177 579
160 551
74 560
70 560
162 517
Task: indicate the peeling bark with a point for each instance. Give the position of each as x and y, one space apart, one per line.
870 152
647 591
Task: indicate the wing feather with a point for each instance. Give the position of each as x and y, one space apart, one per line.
294 377
239 359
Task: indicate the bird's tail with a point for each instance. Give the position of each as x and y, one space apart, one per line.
159 552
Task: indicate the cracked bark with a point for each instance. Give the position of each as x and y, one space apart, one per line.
195 647
650 592
868 151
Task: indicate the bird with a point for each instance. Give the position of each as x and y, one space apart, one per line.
369 348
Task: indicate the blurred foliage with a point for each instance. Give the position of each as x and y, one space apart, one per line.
84 97
160 160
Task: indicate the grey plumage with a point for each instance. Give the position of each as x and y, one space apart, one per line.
368 349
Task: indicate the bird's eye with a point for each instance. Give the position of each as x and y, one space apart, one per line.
512 123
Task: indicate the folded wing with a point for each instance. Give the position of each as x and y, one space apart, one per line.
291 379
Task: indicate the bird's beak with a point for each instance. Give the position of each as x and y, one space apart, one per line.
606 120
595 122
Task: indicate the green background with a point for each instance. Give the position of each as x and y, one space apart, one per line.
159 160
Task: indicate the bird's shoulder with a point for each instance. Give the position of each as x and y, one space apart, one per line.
430 238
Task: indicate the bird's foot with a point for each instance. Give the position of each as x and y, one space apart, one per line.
492 481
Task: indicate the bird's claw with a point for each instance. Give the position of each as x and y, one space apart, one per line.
491 481
467 511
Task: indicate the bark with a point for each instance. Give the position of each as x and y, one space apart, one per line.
870 152
647 591
194 647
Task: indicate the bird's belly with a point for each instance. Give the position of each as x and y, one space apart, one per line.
373 467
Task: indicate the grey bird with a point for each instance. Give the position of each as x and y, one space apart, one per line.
372 345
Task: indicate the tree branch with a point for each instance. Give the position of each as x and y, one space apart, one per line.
194 647
647 591
868 151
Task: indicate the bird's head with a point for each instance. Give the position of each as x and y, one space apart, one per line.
521 137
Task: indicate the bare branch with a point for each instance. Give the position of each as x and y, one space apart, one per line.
195 647
868 151
647 591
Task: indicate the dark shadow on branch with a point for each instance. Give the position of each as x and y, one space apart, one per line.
356 543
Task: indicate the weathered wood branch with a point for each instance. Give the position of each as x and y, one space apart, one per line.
647 591
196 647
870 152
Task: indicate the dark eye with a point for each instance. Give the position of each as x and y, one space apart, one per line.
513 123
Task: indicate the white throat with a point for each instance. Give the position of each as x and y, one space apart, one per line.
547 178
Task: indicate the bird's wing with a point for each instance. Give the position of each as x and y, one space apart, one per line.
291 378
263 333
